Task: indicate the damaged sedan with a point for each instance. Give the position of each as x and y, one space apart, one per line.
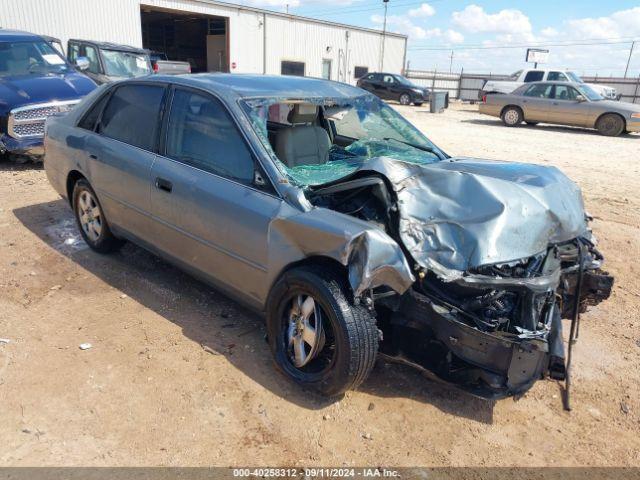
320 206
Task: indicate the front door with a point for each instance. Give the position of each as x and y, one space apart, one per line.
536 102
566 109
208 214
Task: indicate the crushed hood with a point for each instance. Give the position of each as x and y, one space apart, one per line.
462 213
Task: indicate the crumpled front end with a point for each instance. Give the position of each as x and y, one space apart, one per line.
501 252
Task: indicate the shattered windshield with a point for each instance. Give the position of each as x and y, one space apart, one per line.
315 141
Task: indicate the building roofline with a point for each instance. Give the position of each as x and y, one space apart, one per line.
290 16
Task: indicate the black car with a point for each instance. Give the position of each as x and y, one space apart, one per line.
390 86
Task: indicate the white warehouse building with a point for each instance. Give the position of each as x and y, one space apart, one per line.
216 36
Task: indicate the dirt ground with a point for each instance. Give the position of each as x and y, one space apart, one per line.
180 375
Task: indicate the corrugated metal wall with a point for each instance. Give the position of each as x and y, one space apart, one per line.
288 37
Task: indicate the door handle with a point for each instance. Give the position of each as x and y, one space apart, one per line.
165 185
556 103
95 157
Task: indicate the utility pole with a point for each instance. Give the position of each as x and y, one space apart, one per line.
451 63
384 34
626 70
287 9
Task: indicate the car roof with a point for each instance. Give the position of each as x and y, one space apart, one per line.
554 82
112 46
17 36
261 86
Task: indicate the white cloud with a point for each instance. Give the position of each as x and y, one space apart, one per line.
402 24
424 10
475 20
624 23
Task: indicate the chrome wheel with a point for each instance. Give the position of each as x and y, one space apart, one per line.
89 215
512 117
305 334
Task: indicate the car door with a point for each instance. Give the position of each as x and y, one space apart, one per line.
566 109
209 213
389 88
121 153
536 102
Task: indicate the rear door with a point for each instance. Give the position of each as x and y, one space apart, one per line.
208 212
121 153
536 102
565 107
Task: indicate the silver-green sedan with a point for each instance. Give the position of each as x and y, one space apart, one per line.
563 103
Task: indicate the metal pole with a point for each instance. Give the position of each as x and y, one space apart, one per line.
451 62
264 43
626 70
384 34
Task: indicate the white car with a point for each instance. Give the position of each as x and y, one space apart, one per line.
521 77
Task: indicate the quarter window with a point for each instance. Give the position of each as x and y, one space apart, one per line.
533 76
201 133
88 122
131 115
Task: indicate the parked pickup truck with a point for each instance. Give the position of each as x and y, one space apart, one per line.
109 62
521 77
36 81
162 65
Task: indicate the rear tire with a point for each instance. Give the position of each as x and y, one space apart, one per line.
512 116
405 99
610 125
339 338
91 220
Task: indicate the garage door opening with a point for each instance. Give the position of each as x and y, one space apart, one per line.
201 40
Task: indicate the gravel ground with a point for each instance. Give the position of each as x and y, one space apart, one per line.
180 375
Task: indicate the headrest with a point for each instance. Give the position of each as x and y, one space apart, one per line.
303 113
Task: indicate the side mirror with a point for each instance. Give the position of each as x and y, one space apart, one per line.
580 98
82 63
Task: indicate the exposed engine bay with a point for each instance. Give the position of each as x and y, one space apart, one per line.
496 330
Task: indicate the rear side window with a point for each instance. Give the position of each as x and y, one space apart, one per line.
533 76
542 90
201 133
557 77
131 115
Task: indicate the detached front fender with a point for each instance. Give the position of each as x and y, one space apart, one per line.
372 258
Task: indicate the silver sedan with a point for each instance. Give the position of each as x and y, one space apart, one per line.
563 103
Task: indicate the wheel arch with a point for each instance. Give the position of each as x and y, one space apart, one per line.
624 120
72 179
512 105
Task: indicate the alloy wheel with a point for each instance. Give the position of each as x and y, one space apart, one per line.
305 333
90 215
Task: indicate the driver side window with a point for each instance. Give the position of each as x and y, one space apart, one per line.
92 55
201 133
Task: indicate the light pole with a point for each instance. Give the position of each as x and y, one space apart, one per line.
384 34
633 44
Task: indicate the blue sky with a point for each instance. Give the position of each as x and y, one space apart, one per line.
458 24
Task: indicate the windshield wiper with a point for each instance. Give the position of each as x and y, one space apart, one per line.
424 148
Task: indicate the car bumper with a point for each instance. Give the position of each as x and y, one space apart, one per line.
33 147
633 125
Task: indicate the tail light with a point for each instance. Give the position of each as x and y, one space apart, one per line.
484 99
155 68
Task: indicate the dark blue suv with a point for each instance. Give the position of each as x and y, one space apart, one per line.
36 81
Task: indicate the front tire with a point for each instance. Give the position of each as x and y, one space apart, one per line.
610 125
318 336
512 116
405 99
91 220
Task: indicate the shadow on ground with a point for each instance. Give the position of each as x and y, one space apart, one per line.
547 128
220 325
